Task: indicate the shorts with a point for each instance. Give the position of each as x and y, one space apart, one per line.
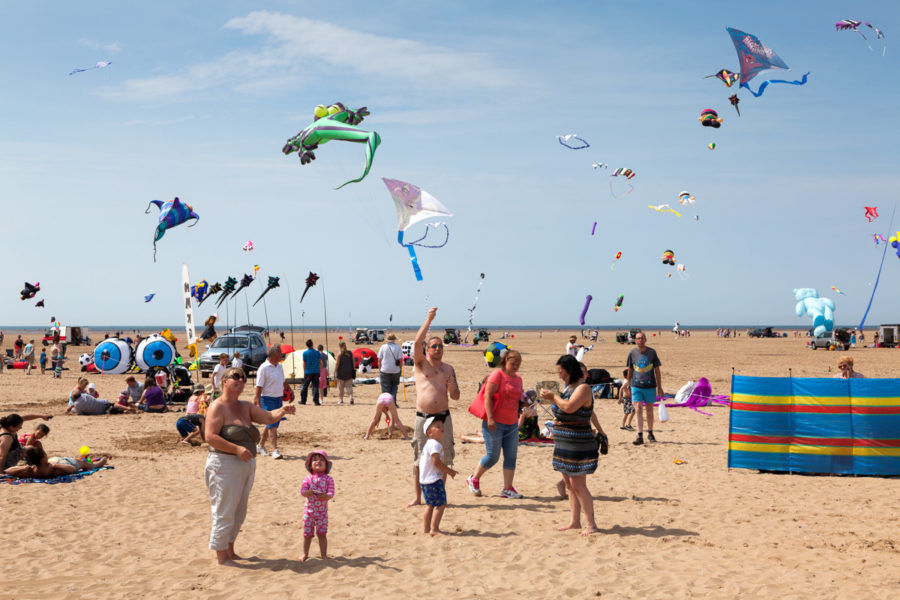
419 439
627 406
313 526
63 460
435 494
271 403
643 395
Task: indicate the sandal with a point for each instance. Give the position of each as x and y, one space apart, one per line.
604 443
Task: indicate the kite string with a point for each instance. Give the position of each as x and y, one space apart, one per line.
435 225
878 277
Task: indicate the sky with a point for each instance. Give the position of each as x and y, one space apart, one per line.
468 98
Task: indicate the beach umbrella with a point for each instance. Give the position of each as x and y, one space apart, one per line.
154 351
113 356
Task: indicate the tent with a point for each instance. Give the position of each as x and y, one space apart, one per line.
292 365
360 353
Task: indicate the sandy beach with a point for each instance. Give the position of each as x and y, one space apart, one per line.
692 530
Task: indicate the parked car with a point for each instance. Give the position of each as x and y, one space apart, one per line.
763 332
482 336
375 335
451 336
626 338
361 336
247 340
75 336
839 339
889 335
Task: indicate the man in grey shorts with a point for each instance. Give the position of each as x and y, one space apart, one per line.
435 385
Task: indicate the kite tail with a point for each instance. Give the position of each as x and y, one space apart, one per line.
373 140
765 84
266 291
878 277
412 255
154 250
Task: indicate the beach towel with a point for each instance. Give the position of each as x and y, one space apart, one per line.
60 479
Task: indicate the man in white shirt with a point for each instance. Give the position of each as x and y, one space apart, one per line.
572 347
217 375
390 359
269 391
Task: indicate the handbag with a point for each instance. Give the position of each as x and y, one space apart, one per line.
477 406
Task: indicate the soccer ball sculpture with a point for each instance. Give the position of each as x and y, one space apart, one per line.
494 352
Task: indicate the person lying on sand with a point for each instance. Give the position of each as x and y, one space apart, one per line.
38 466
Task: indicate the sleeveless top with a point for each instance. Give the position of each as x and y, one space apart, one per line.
579 418
346 370
246 437
16 452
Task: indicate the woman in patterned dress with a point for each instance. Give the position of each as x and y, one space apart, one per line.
575 447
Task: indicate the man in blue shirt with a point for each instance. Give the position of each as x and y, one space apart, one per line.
311 362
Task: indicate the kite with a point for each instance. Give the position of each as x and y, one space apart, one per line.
594 228
414 204
618 256
310 282
199 291
685 198
213 290
619 302
577 142
245 281
878 237
148 297
711 146
850 24
664 208
725 76
871 212
838 291
682 271
100 64
29 291
171 214
668 257
39 303
754 57
273 283
248 246
209 333
697 218
895 242
335 122
474 306
230 283
710 118
600 165
625 172
587 304
734 102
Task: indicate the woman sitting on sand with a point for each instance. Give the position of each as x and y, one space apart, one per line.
152 399
387 407
11 451
38 466
845 369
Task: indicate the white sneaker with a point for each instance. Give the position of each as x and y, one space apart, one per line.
341 401
260 451
276 454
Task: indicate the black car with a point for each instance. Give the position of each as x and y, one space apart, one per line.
763 332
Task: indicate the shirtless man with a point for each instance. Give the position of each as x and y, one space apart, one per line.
435 385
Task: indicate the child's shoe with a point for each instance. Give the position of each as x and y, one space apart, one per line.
474 485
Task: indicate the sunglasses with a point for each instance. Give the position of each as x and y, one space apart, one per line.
238 377
436 346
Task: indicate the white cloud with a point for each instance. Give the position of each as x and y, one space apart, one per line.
110 48
295 49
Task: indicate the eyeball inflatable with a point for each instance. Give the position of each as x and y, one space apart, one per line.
494 352
113 356
85 359
407 349
154 351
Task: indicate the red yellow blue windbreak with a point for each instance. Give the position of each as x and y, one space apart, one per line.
814 425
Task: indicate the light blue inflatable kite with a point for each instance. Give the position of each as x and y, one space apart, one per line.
820 309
